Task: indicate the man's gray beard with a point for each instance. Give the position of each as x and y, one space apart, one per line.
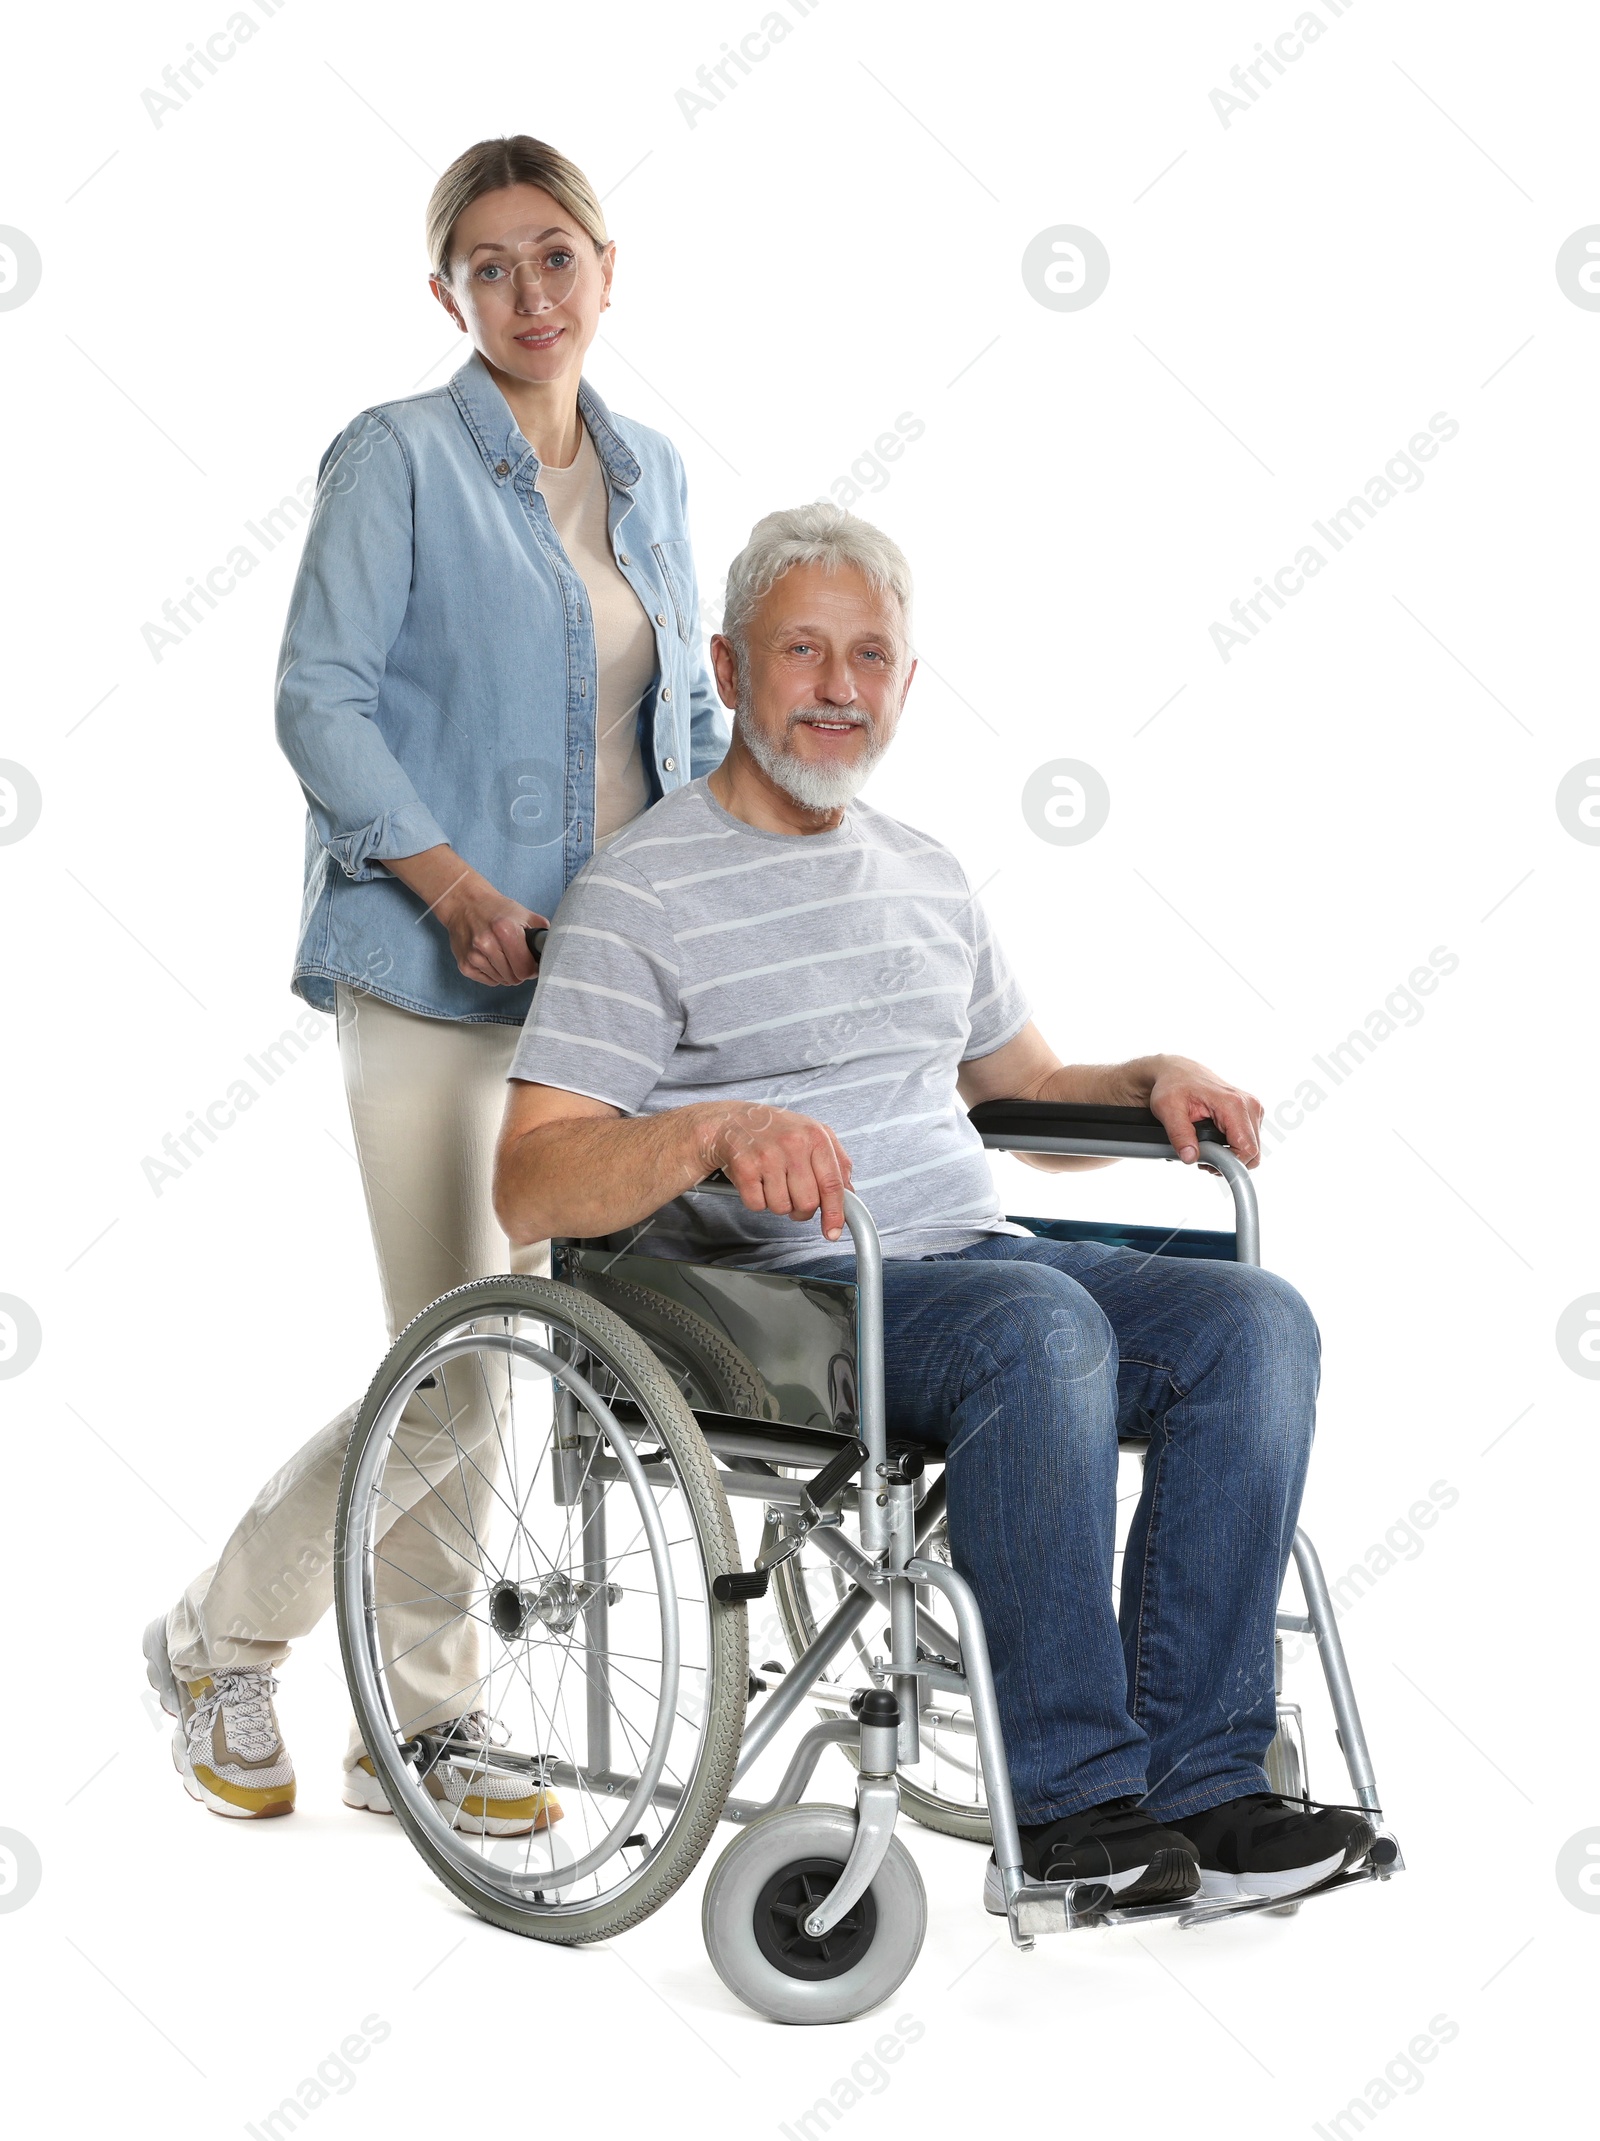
820 788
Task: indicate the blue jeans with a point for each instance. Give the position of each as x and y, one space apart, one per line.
1030 1357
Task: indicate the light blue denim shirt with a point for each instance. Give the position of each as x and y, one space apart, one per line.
437 678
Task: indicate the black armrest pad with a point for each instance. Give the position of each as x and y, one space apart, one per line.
1001 1119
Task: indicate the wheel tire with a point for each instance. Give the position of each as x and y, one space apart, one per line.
731 1380
756 1862
727 1684
935 1813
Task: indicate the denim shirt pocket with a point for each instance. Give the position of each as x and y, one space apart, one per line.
675 562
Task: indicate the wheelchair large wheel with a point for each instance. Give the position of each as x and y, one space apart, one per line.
529 1528
756 1901
710 1370
943 1791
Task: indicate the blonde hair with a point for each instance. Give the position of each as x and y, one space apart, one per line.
511 160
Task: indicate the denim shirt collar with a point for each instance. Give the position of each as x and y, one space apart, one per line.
487 415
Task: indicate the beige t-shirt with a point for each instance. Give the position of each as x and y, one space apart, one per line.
624 641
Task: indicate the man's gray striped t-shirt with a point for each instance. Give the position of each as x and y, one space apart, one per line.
845 975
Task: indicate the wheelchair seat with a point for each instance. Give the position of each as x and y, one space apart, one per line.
777 1349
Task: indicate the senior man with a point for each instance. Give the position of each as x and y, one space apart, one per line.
765 976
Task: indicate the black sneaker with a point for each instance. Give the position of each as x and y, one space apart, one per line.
1262 1845
1117 1846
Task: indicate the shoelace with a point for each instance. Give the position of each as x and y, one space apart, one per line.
468 1747
477 1729
247 1699
1119 1816
1299 1803
466 1741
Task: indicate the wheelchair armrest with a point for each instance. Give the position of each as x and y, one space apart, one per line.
1019 1124
1086 1127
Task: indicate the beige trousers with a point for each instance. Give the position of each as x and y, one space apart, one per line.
426 1097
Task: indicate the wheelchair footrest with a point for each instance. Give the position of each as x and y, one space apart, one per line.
1064 1906
1202 1911
739 1584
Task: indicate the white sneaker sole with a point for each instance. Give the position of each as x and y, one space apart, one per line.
477 1825
1293 1881
196 1790
367 1795
159 1673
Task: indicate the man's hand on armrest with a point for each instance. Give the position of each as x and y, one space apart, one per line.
569 1165
1182 1093
1176 1090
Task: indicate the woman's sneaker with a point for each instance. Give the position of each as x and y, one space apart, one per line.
227 1747
1117 1846
1262 1845
479 1798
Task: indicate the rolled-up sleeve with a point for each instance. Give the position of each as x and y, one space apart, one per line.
346 611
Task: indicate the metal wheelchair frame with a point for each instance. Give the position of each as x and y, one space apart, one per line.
898 1511
887 1570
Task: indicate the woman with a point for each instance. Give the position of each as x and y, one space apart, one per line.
492 663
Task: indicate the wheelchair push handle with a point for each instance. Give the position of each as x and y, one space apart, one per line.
536 940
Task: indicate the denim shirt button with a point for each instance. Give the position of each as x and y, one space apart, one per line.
623 558
669 765
502 468
666 691
661 616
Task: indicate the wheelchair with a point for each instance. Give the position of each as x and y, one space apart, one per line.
571 1447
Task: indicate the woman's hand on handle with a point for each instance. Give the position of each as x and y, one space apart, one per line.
487 931
489 936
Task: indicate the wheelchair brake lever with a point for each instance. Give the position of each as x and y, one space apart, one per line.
790 1543
836 1473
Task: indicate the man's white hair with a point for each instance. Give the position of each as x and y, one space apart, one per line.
817 534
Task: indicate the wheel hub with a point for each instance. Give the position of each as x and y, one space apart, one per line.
785 1904
554 1602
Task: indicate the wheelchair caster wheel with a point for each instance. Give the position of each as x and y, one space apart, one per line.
757 1898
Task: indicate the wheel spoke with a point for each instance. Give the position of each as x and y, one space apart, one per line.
486 1456
945 1786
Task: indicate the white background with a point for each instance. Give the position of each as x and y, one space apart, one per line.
1292 297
